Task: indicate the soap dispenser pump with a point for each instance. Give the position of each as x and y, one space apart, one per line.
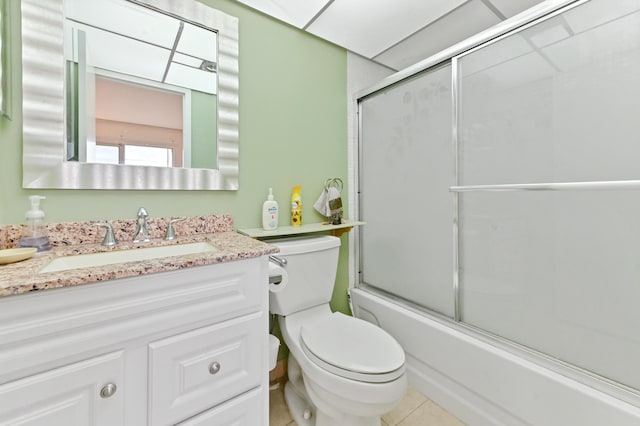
34 232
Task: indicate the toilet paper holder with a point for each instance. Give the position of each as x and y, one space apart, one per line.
277 277
280 261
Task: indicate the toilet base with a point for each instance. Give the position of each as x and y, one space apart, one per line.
306 415
301 411
331 417
305 412
295 395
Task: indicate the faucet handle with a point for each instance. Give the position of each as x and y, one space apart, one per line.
109 237
142 213
171 233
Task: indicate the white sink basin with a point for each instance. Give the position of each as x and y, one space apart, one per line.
133 255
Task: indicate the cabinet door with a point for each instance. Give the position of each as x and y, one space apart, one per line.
67 396
245 410
194 371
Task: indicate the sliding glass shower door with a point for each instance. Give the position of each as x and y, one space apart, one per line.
501 188
549 175
405 174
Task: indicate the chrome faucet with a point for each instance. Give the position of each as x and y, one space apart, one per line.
142 234
109 237
171 232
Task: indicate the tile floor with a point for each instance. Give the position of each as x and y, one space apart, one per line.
414 410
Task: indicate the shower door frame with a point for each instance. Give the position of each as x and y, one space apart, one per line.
452 55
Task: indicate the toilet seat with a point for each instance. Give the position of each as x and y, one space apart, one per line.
353 349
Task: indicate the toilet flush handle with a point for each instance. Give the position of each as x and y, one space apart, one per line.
280 261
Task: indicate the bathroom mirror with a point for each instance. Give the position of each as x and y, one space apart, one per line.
197 50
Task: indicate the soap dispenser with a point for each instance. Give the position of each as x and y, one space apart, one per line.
270 213
34 234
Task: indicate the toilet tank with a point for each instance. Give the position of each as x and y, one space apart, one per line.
308 276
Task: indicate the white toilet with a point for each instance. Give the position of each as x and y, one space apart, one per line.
343 371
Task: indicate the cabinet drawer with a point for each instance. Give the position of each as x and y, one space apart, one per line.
244 410
67 396
194 371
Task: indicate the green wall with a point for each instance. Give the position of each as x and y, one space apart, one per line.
204 123
293 130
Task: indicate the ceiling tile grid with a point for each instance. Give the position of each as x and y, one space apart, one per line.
294 12
367 28
511 8
395 33
465 21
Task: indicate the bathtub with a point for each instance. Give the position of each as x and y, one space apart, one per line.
483 382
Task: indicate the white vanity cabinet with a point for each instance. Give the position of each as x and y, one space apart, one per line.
183 347
67 395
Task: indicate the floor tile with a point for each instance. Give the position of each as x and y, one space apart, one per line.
278 411
429 413
414 410
412 400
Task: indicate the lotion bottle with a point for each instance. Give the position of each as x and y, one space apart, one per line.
270 213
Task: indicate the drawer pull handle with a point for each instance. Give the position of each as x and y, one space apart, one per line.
214 367
108 390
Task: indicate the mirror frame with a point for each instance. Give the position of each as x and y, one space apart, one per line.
43 110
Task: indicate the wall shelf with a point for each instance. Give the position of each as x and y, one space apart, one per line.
283 231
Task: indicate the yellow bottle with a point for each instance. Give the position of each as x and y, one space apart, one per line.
296 206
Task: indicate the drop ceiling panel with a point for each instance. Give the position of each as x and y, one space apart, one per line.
149 26
593 45
114 52
505 51
198 42
295 12
402 32
520 71
189 61
369 28
193 78
592 14
548 32
510 8
463 22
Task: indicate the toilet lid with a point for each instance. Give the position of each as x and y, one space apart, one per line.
353 348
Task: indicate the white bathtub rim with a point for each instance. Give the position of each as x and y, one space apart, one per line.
516 353
466 335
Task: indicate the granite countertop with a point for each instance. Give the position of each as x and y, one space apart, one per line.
23 277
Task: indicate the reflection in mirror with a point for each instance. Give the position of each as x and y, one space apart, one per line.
178 70
130 119
130 87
